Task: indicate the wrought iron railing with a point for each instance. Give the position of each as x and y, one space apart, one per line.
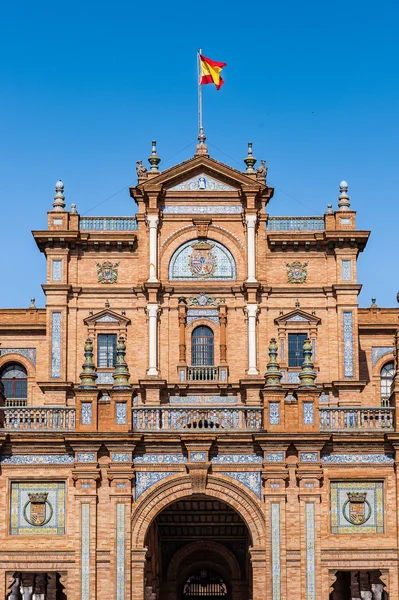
188 418
202 373
360 419
108 224
295 224
41 418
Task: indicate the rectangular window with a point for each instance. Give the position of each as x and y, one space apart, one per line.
295 349
106 350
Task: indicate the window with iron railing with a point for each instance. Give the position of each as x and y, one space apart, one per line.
202 346
295 349
386 378
15 381
106 350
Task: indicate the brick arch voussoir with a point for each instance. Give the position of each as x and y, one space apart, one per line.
178 486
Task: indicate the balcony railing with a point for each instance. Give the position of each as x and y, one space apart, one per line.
202 373
295 224
357 419
54 418
188 418
16 401
108 224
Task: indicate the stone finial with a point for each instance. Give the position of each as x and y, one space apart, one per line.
59 198
107 304
202 148
373 303
261 172
73 210
329 210
297 303
32 303
343 198
307 375
141 170
88 375
121 373
250 160
273 374
154 159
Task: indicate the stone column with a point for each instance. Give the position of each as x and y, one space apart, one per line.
252 312
251 255
152 221
152 311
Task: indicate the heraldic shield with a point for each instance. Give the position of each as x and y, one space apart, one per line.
38 510
357 509
296 272
202 260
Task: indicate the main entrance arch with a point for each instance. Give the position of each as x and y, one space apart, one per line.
177 534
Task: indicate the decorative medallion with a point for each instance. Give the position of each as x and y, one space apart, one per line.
203 300
296 272
357 509
202 261
202 182
107 272
38 510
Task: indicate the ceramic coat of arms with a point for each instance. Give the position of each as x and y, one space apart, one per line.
296 272
107 272
202 260
38 510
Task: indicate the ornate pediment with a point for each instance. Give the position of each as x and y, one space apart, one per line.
297 316
202 183
107 316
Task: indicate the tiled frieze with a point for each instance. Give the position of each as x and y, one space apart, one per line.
202 210
121 457
348 344
310 551
308 457
358 459
37 508
378 351
202 182
159 458
198 456
203 399
234 459
357 507
85 551
147 480
211 314
120 552
276 560
85 457
56 345
37 459
275 456
29 353
252 480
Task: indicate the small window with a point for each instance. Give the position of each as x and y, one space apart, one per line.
202 347
387 375
295 349
106 346
15 381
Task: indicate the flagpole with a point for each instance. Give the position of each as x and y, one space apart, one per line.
200 127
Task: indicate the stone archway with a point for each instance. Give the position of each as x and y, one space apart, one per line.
221 488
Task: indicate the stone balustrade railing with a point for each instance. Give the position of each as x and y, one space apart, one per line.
38 418
295 224
108 224
202 373
189 418
357 419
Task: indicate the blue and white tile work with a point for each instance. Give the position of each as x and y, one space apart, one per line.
346 270
211 314
252 480
55 345
198 456
348 344
237 459
37 459
275 456
373 507
203 399
85 552
121 413
202 182
54 512
308 413
29 353
121 457
87 413
274 413
120 551
202 210
276 561
56 270
310 551
378 351
160 459
220 263
147 480
358 459
309 457
86 457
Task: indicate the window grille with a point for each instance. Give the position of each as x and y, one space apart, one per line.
106 346
15 381
295 349
202 343
386 377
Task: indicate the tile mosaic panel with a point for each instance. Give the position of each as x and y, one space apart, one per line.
37 459
376 352
346 270
147 480
29 353
86 457
274 413
235 459
86 413
123 457
56 270
293 377
202 182
202 210
121 414
274 456
308 457
310 551
276 566
202 399
85 552
371 510
252 480
105 378
120 551
348 344
159 458
308 413
189 263
46 517
55 345
198 456
193 314
357 459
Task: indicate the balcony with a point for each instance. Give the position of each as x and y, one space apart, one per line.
295 224
108 224
48 418
357 419
189 418
203 374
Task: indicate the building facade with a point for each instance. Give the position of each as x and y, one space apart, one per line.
202 409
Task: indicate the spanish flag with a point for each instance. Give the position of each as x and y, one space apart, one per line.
210 71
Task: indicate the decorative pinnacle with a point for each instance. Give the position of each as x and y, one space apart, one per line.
32 303
250 160
273 374
73 210
202 148
59 204
329 210
307 375
373 303
343 198
88 375
121 373
154 160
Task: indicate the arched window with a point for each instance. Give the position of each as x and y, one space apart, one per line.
386 378
15 381
202 347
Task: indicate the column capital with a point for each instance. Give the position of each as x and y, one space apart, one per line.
251 219
252 310
152 220
152 310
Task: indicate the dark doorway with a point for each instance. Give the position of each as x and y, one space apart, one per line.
204 584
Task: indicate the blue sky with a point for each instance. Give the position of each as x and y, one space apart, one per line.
86 86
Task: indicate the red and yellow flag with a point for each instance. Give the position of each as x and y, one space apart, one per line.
210 71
